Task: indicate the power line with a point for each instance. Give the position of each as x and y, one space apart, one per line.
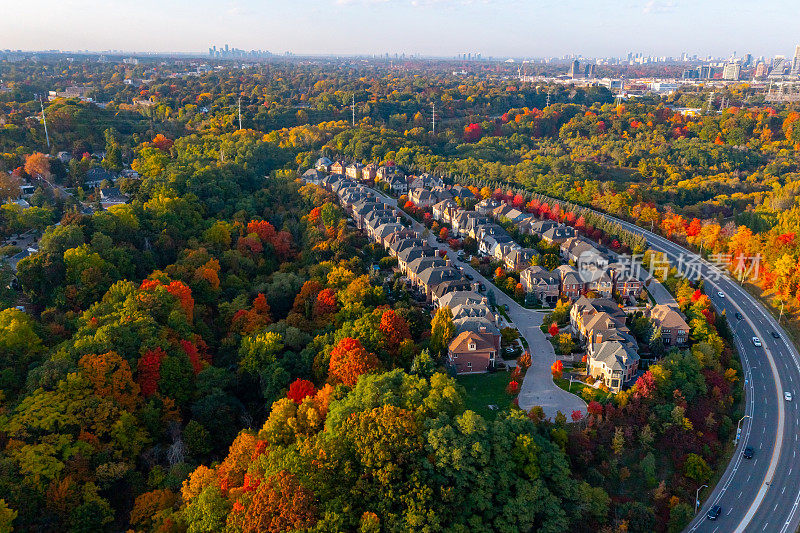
44 119
433 117
240 112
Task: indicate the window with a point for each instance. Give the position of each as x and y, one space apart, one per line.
472 347
469 365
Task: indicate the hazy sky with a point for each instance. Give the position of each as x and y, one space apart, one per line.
432 27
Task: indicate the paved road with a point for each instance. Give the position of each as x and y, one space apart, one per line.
761 494
537 386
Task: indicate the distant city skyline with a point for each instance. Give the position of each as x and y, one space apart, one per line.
443 28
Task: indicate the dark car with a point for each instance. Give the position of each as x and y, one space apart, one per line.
439 240
714 512
469 276
505 306
748 453
739 316
776 335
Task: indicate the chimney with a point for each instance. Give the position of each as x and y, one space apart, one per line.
483 329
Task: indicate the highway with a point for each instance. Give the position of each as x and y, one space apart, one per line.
761 494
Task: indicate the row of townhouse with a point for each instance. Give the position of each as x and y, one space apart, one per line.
476 345
492 239
597 274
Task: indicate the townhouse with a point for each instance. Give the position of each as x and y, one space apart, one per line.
614 363
543 284
674 329
421 197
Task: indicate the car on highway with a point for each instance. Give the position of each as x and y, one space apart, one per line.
776 335
469 276
739 316
439 240
756 342
714 512
787 396
505 306
748 453
721 294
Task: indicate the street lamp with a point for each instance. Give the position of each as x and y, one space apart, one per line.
739 429
697 497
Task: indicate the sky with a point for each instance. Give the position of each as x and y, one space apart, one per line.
496 28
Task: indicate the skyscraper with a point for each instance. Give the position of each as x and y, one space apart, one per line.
796 61
588 71
575 69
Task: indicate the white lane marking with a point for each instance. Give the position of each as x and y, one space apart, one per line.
670 248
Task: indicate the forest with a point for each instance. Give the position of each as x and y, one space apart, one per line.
217 354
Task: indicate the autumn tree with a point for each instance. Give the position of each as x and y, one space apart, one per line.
395 330
281 503
37 165
442 331
349 360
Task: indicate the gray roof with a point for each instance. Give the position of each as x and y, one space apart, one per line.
420 264
409 255
615 355
474 324
435 275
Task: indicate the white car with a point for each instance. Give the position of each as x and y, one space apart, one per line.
721 294
756 342
787 396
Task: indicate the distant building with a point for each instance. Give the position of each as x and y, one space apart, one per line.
796 61
575 69
731 71
761 70
588 71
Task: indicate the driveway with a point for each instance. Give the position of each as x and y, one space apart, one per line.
537 386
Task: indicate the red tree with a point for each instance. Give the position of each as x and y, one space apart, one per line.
299 389
395 329
557 369
577 415
149 368
349 360
595 408
162 143
325 302
553 330
513 387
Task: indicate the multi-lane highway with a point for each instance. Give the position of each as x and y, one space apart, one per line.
762 493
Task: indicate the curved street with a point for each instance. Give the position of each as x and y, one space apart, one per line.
762 493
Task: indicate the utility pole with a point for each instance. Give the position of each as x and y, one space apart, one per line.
44 119
433 117
240 112
354 109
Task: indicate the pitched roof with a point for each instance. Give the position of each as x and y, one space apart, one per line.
615 355
667 317
475 324
480 341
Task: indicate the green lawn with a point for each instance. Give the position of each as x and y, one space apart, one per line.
578 389
484 390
